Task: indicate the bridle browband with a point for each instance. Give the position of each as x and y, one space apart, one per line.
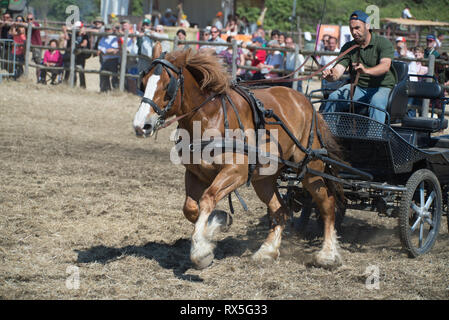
173 87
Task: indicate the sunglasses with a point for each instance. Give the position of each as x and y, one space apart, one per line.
214 31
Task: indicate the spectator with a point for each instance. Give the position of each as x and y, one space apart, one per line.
5 27
205 35
182 17
217 22
81 43
244 26
324 60
168 19
274 60
109 48
131 61
181 34
260 32
324 43
35 41
215 37
145 46
440 40
291 60
18 34
232 27
275 35
406 13
281 39
226 55
443 76
160 35
258 58
431 47
419 68
52 58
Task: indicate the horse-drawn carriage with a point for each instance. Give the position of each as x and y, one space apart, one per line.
395 167
406 168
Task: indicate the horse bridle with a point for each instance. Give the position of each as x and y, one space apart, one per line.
173 87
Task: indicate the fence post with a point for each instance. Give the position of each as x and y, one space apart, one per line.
27 49
72 58
175 43
123 62
425 104
234 59
296 75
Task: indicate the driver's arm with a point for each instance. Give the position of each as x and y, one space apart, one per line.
335 73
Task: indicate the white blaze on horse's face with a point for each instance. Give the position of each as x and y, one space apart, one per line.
145 118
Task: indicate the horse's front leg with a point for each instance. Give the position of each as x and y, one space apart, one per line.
227 180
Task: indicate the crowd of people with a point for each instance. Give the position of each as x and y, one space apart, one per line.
108 44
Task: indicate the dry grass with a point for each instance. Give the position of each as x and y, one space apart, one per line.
77 188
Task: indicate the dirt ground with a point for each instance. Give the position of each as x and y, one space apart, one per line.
83 201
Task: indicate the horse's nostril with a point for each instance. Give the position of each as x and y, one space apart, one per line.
147 126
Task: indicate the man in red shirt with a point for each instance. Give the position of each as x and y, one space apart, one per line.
35 41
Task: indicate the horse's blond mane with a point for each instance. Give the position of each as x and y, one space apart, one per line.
206 68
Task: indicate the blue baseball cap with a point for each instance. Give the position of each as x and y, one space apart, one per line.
359 15
430 37
258 39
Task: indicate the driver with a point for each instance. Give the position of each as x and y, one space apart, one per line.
374 63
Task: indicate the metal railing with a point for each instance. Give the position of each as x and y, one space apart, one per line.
7 58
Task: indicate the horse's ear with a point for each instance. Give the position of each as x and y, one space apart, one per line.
157 50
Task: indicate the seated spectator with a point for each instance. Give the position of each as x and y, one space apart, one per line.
231 27
181 34
169 19
226 55
52 58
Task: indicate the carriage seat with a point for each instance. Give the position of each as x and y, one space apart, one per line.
425 90
398 99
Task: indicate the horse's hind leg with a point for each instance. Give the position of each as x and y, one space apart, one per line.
328 256
267 193
201 251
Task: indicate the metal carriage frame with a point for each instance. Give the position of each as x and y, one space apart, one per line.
403 170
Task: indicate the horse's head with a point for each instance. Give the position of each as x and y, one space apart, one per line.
163 85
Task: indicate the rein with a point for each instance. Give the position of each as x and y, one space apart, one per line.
283 78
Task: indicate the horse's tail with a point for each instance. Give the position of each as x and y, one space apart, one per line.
334 152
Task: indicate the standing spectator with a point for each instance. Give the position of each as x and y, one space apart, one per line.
145 46
169 18
52 58
19 36
218 21
131 62
181 34
215 37
440 40
431 47
406 13
35 41
416 67
290 60
401 49
328 85
5 26
109 48
161 36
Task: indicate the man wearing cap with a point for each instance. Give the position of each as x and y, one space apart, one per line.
215 37
169 18
373 60
258 58
431 47
110 53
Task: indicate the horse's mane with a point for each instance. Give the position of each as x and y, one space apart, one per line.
206 68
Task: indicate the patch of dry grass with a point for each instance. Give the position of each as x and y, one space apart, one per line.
79 189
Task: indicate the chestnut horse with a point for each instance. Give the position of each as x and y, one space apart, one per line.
181 84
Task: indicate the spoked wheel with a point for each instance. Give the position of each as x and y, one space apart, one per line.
420 213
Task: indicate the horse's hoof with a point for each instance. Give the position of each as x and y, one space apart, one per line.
327 261
265 255
203 261
219 219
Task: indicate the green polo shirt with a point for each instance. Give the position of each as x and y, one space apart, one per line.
378 48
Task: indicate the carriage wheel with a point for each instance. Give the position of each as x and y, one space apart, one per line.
420 213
